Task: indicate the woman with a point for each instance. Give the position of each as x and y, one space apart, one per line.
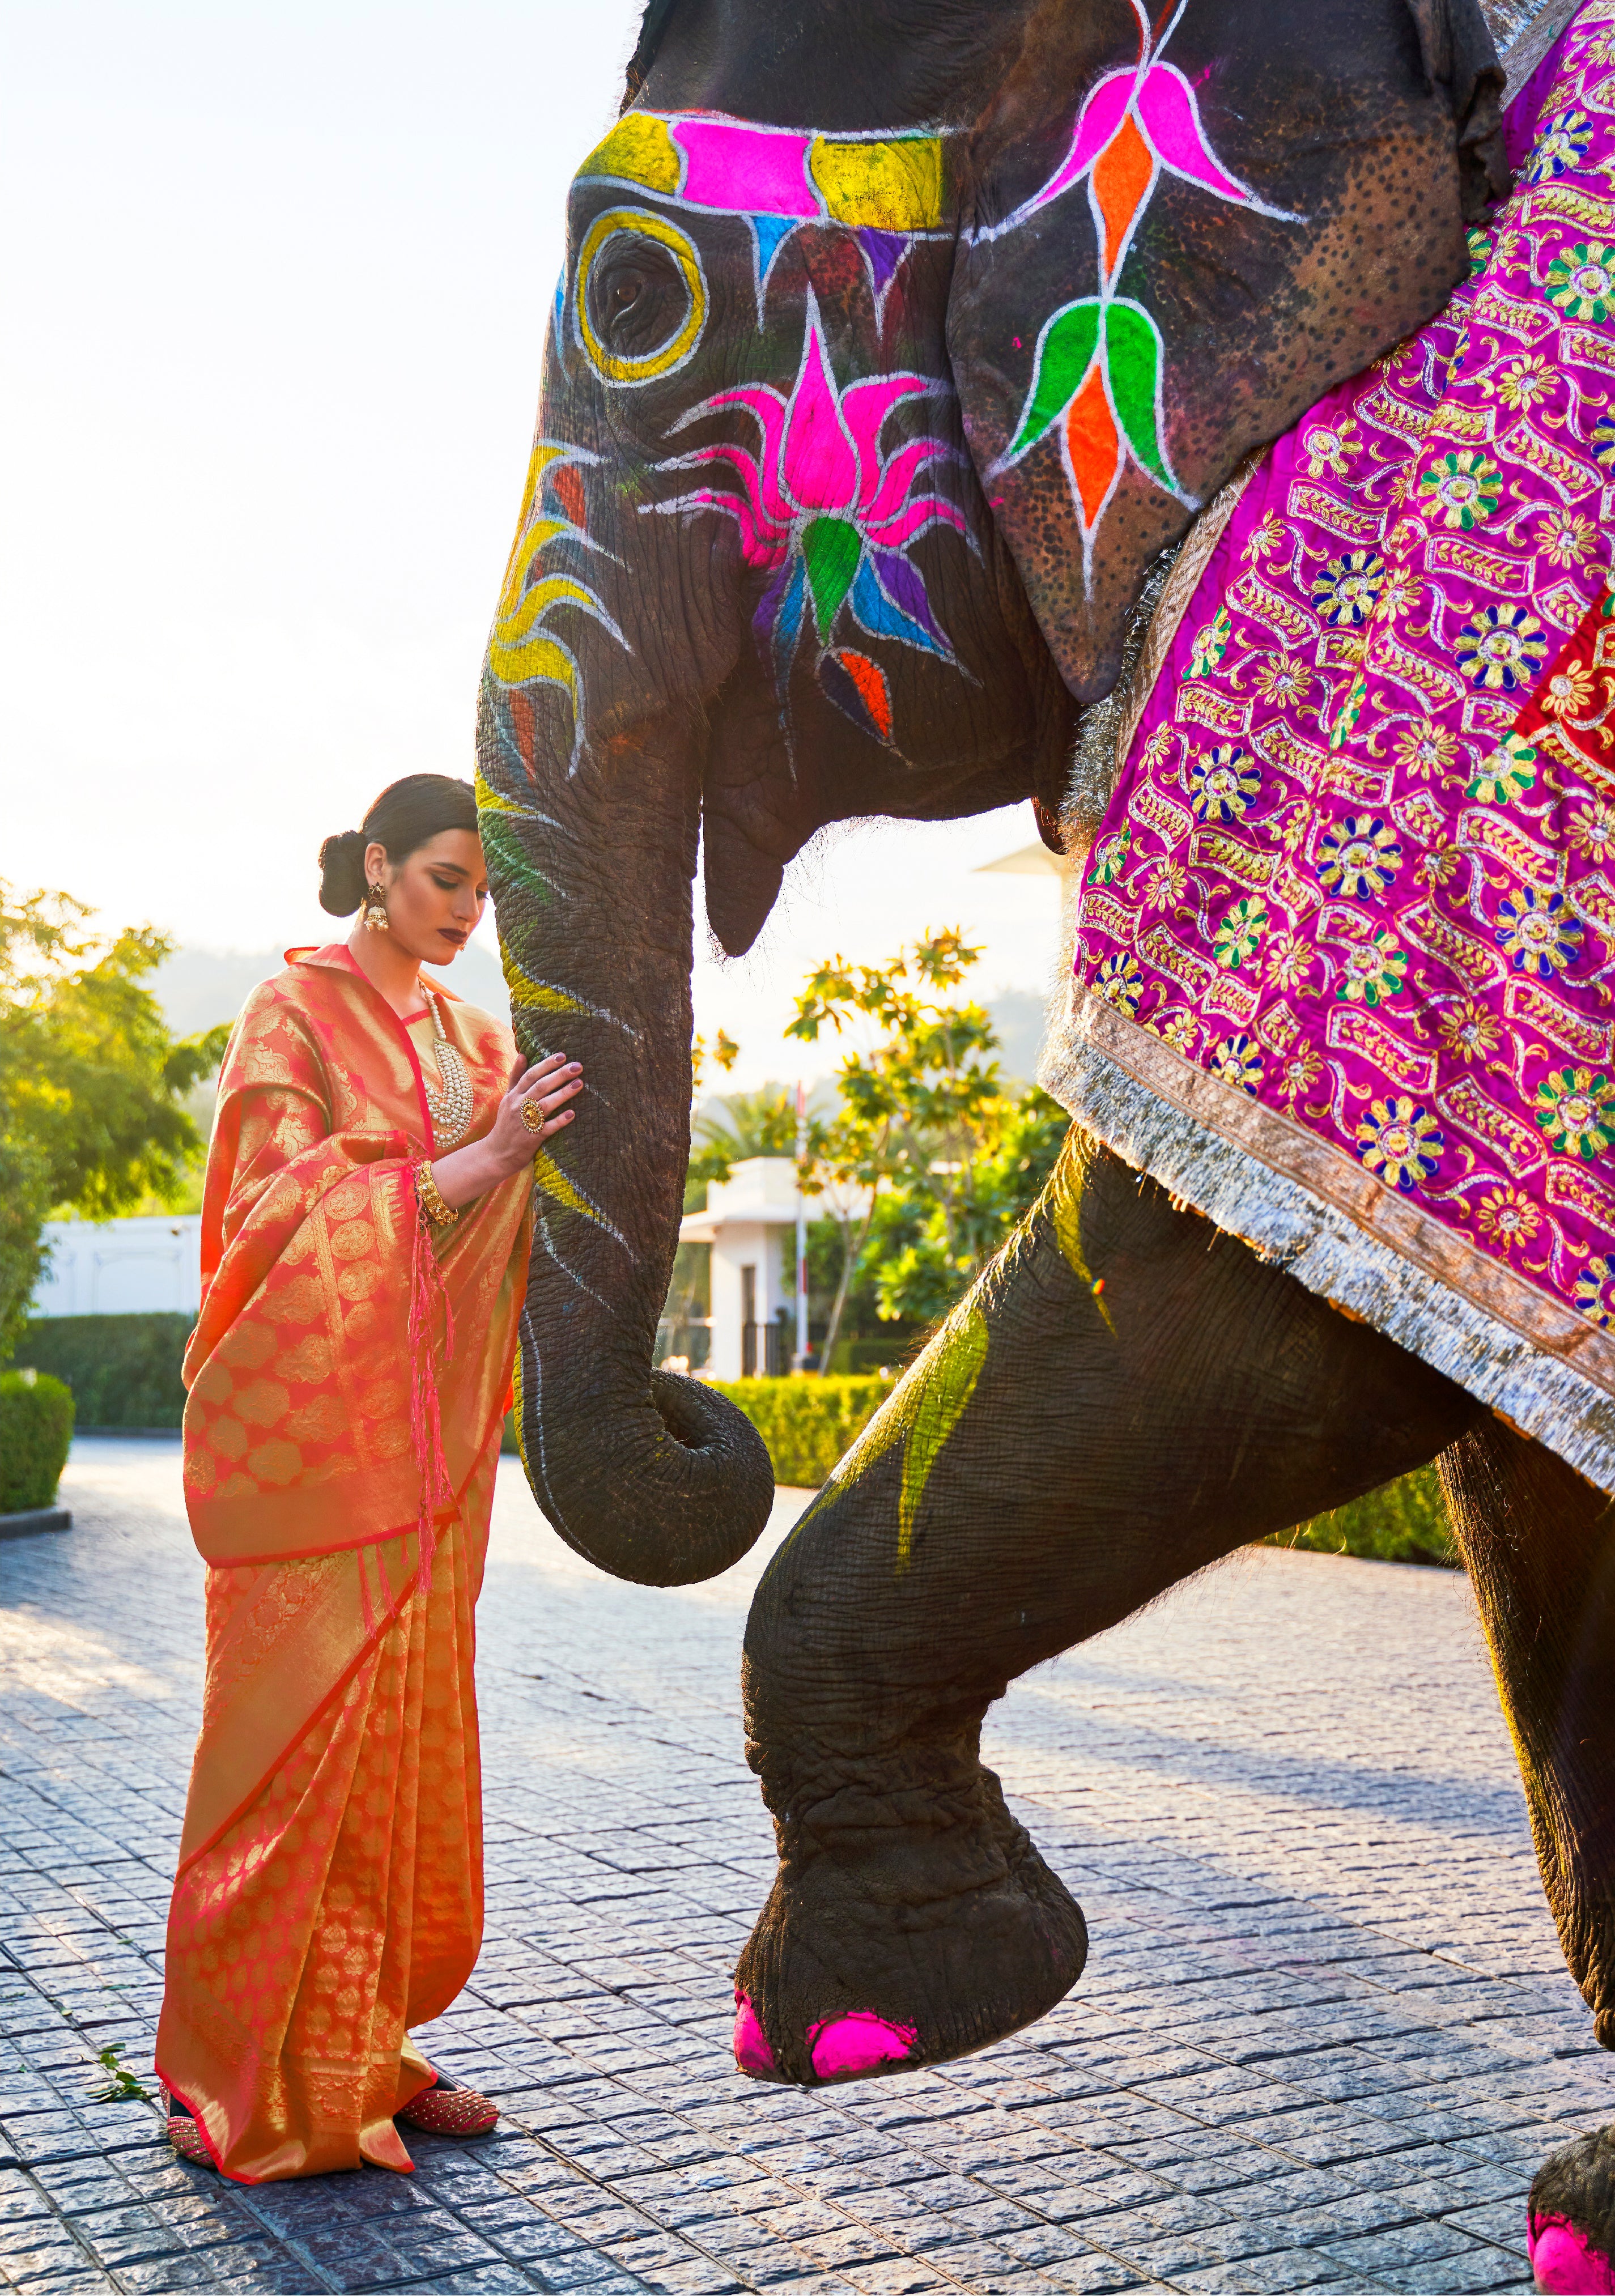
364 1246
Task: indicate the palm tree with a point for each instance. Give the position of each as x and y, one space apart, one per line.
742 1125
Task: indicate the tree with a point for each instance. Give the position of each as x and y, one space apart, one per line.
927 1163
741 1125
92 1085
922 1261
24 1202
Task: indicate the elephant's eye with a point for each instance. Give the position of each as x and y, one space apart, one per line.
637 299
641 295
623 290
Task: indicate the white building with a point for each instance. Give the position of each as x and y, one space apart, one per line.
748 1221
122 1267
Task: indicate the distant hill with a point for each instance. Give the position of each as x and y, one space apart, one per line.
198 986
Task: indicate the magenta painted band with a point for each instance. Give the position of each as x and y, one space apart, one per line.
746 170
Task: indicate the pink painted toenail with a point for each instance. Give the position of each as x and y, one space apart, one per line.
843 2047
752 2053
1565 2264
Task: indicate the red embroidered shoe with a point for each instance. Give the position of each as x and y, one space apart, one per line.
448 2109
184 2135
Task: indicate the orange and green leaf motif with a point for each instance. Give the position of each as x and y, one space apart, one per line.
1100 361
1097 373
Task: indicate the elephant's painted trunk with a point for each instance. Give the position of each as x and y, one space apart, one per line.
653 1477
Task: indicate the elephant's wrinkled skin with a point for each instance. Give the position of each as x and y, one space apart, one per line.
813 533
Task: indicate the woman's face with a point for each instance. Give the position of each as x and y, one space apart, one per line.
435 897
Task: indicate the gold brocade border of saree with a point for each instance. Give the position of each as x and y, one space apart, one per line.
1316 1211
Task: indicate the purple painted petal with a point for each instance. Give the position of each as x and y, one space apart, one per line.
819 463
883 251
1171 117
904 585
769 604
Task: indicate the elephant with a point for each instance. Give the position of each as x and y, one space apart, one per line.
895 350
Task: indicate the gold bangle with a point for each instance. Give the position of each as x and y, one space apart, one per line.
431 1197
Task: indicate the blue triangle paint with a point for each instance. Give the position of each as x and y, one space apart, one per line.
767 230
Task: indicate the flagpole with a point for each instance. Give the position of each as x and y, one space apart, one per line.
801 1230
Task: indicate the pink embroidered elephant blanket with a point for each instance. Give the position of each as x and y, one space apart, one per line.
1345 940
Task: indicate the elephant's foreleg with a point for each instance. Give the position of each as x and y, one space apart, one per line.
1126 1396
1540 1546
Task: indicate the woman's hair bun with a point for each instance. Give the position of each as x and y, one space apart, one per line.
342 872
407 815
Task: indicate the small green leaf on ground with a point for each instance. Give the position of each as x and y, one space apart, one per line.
120 2085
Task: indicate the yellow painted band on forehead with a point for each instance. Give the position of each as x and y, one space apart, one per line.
639 149
880 186
879 183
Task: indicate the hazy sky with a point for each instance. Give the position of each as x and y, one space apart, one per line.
276 284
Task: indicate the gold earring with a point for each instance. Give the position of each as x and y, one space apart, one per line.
375 909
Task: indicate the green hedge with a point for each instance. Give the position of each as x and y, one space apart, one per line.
36 1432
807 1423
1400 1522
124 1370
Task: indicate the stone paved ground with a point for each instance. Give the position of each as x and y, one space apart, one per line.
1324 2037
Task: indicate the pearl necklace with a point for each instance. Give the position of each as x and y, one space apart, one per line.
451 1109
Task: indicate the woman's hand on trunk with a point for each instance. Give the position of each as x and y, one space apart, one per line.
467 1173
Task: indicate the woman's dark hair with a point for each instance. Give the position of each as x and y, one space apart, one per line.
403 817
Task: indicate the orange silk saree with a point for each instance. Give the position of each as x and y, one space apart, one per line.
347 1378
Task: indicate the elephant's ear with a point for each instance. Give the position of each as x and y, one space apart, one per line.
1457 52
1164 259
652 29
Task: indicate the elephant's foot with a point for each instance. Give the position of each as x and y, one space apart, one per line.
884 1948
1570 2230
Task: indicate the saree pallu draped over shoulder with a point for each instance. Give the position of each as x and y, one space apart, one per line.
348 1380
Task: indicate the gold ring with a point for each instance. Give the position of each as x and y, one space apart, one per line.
532 1116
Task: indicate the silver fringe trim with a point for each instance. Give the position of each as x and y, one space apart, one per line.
1531 40
1289 1226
